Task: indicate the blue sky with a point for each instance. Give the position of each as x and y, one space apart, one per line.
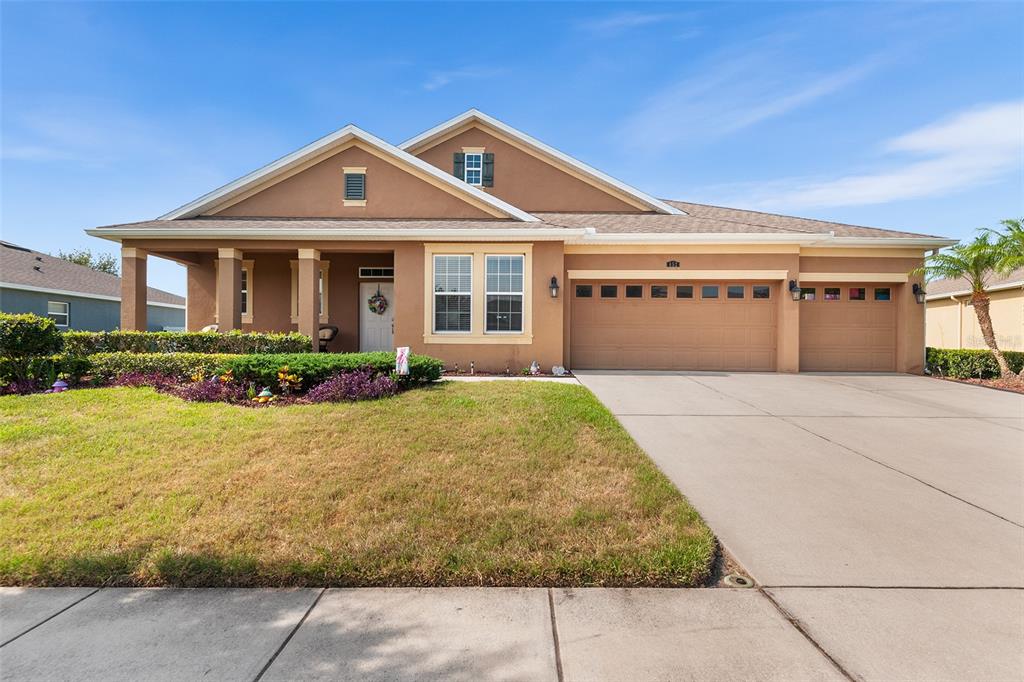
906 116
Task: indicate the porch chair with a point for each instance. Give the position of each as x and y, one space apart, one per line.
327 334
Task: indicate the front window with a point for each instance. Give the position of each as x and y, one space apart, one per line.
883 294
709 291
808 293
734 291
59 312
504 293
634 291
453 297
584 290
831 293
474 168
609 291
857 293
761 291
245 291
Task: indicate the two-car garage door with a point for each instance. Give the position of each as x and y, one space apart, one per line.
673 325
728 326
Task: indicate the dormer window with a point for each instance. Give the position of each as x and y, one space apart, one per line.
474 169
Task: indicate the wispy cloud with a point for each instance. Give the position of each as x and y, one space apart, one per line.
970 148
439 79
615 24
734 92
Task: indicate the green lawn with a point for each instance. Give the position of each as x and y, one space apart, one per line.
496 483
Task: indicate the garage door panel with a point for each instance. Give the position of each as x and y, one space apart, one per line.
673 333
848 336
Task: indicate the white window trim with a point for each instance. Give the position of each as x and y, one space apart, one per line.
325 280
353 170
247 266
466 169
66 313
521 294
435 294
478 251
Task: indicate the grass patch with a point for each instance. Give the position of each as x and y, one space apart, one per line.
491 483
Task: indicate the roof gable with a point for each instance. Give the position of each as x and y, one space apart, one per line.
302 159
574 167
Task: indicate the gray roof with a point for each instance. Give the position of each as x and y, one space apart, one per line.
25 267
950 286
700 219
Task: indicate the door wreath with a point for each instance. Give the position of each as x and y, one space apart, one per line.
377 303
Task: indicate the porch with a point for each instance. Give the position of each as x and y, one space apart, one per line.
268 288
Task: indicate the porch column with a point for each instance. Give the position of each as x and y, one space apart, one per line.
787 357
229 289
133 289
309 295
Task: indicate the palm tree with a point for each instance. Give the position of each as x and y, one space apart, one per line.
1010 245
972 261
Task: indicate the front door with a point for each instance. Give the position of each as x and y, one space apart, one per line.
376 331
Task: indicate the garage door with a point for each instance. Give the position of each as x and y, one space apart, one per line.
848 328
673 325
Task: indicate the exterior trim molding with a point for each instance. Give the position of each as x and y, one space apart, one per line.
79 294
898 277
519 234
323 145
679 274
426 138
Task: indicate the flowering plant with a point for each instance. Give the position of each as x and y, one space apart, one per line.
288 381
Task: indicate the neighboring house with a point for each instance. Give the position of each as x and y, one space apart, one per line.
74 296
952 323
493 248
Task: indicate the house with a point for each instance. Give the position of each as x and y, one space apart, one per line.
74 296
475 242
950 318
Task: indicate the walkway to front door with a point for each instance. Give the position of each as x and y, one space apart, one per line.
376 331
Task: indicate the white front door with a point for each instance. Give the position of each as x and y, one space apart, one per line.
376 332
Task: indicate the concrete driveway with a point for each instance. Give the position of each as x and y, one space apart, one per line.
884 513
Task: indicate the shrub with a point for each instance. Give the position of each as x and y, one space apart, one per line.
23 337
362 384
964 363
43 371
89 343
316 368
107 367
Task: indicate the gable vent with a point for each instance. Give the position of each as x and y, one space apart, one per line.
355 186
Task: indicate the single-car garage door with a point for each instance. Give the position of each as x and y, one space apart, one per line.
673 325
848 328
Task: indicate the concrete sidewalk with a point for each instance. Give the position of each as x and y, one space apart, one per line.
401 634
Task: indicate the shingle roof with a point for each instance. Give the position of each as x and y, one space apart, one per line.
950 286
21 266
285 224
703 218
700 219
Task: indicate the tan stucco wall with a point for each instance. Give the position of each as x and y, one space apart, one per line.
954 324
318 192
546 347
551 317
526 181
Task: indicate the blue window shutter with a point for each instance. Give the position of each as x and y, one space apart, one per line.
355 186
488 174
459 165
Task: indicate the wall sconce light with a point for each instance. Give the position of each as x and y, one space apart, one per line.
919 293
794 290
554 287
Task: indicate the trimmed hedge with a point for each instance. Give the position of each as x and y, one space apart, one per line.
108 366
964 363
90 343
315 368
44 369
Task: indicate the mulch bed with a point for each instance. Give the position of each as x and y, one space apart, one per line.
1011 385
